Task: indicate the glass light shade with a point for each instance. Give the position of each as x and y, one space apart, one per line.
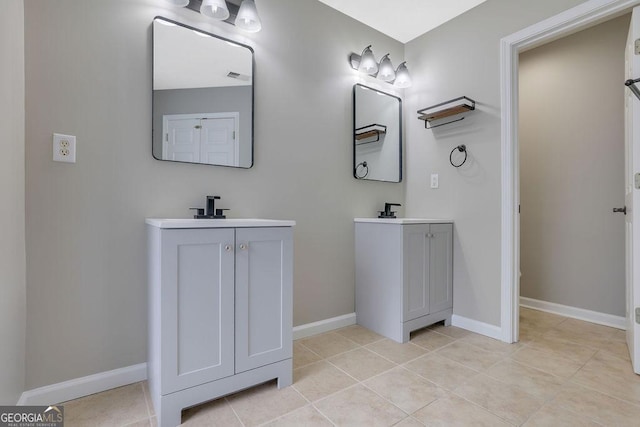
248 18
178 3
368 63
385 70
403 78
216 9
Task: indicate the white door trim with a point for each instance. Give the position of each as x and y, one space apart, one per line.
584 15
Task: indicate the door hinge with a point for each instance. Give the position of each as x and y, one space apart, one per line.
637 47
166 137
637 314
234 135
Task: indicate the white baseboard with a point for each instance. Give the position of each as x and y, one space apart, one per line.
476 326
321 326
80 387
575 313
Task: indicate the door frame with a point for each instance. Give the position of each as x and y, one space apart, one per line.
568 22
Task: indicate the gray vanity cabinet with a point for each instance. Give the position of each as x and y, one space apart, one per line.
220 313
404 275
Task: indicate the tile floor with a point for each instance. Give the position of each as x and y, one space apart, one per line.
564 372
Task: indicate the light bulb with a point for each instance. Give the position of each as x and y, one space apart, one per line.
248 18
403 78
368 62
216 9
385 70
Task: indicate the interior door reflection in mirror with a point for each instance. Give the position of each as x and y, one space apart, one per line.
377 135
202 97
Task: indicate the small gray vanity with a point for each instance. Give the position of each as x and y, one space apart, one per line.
404 274
220 309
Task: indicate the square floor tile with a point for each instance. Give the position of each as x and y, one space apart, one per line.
470 355
305 416
506 401
361 363
547 361
441 371
526 378
603 409
358 334
359 406
319 380
452 411
328 344
405 389
302 356
554 415
396 352
430 340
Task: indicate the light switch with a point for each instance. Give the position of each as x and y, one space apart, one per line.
434 180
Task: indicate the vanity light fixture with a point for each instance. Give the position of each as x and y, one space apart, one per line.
403 78
366 63
248 18
386 71
216 9
243 15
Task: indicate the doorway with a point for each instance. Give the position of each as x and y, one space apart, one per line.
568 22
571 169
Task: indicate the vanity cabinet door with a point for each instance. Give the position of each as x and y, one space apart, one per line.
197 298
441 271
264 282
416 271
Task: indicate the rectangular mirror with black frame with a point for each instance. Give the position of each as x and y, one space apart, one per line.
202 97
377 135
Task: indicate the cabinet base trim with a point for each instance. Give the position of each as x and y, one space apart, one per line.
478 327
169 407
84 386
321 326
575 313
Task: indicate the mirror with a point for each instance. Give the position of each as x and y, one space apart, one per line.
202 97
377 135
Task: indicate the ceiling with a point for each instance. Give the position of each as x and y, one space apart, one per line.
403 20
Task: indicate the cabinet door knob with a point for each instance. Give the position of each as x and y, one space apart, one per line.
227 248
244 246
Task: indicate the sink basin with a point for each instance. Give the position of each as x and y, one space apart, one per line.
217 223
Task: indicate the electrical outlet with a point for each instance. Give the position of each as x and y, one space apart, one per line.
434 180
64 148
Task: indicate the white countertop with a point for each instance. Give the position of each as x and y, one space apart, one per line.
217 223
405 220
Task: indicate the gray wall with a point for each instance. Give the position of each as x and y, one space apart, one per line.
205 100
12 237
572 169
88 73
462 57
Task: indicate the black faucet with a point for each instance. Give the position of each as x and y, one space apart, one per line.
211 211
387 212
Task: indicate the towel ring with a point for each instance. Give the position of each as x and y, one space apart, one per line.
366 170
461 148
